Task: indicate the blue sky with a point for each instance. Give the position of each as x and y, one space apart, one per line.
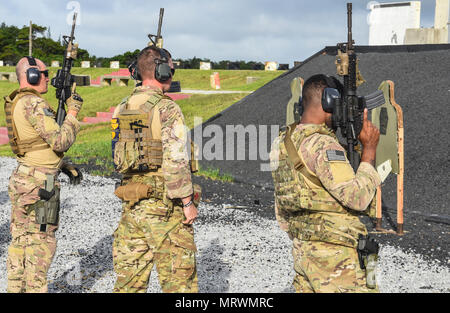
261 30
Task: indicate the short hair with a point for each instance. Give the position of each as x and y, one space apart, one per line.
23 65
146 60
316 83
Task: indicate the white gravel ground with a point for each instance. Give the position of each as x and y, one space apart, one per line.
237 250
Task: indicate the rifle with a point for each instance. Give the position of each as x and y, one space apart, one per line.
348 112
158 41
64 82
155 40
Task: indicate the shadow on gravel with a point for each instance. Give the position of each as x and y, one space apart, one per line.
388 218
83 275
4 197
5 238
213 273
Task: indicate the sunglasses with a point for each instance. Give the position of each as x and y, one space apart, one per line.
45 73
173 71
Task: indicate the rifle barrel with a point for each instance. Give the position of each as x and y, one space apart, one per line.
161 15
73 26
349 23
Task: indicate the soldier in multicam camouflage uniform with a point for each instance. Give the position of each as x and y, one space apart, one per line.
157 224
317 202
39 144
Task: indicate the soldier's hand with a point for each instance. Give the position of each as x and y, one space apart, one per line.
190 213
75 102
370 135
74 174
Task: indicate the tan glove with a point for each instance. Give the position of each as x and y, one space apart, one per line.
74 102
75 175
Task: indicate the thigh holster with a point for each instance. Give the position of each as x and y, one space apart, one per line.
47 209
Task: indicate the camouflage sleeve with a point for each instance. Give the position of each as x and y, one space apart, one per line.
175 165
282 217
325 157
42 118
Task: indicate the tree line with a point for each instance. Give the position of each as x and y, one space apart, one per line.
14 45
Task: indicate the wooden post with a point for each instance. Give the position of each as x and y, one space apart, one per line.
379 208
30 40
400 183
401 160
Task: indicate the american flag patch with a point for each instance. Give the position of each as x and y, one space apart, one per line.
335 155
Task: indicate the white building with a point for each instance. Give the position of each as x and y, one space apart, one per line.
398 23
388 21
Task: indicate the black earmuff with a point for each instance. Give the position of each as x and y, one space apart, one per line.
33 73
330 95
163 72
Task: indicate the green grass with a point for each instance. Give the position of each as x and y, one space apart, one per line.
93 144
189 78
215 174
95 99
229 79
206 106
99 99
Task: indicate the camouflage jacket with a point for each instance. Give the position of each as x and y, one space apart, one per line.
326 158
341 193
175 164
34 117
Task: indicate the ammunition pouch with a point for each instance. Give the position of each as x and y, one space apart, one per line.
315 227
135 188
136 142
47 209
368 250
133 192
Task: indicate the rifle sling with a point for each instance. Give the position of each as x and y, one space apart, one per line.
294 157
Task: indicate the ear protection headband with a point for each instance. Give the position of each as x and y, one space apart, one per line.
163 71
33 73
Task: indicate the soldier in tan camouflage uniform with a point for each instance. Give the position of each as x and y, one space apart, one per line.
317 200
39 144
156 227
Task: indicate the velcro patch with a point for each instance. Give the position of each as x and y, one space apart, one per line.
48 112
335 155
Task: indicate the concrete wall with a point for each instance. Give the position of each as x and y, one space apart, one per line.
205 65
426 36
8 76
388 22
435 35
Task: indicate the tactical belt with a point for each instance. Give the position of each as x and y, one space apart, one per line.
31 171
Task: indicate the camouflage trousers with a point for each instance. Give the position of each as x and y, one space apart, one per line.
31 251
327 268
144 238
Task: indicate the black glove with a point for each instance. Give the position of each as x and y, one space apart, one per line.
75 175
